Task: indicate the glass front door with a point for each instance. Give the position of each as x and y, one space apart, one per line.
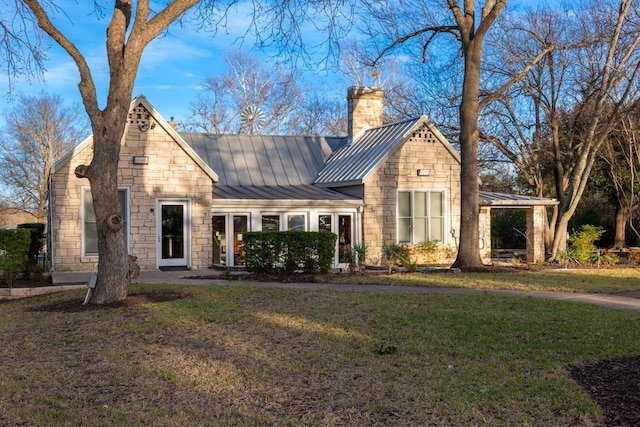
341 225
344 237
173 237
240 226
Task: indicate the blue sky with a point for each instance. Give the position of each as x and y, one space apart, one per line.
171 70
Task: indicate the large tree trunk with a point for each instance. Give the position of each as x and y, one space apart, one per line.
468 251
113 272
114 267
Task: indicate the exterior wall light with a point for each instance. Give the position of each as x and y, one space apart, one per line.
140 160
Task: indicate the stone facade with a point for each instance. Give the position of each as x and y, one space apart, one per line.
365 109
422 151
170 173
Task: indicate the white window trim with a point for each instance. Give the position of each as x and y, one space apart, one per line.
305 220
83 192
445 213
267 213
188 225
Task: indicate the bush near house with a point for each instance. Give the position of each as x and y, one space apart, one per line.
14 247
37 238
288 251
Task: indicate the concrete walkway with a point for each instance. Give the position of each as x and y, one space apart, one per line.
211 277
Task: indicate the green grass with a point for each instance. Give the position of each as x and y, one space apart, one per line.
229 356
560 280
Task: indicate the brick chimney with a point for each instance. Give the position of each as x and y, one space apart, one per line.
365 108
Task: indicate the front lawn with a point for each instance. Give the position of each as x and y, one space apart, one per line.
590 280
241 356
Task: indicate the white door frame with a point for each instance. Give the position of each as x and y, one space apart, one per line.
185 260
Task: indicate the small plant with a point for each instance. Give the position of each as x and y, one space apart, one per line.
410 265
429 245
383 348
515 261
603 258
392 254
356 256
567 257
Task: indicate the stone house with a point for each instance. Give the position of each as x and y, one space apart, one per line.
188 197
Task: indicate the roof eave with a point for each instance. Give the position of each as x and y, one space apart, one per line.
283 203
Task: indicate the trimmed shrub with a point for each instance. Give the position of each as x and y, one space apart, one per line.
14 247
288 251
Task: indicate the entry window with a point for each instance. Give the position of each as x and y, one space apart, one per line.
324 223
420 216
219 228
344 237
173 231
240 226
90 230
270 222
295 222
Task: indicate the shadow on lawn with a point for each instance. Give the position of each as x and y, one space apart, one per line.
615 387
75 305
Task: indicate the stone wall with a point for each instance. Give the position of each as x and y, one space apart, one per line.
422 151
170 174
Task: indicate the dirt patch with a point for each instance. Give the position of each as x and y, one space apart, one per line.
29 283
614 385
75 305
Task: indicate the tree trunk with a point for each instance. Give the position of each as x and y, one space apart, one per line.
114 274
468 250
620 240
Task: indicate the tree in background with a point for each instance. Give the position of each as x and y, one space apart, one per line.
417 25
249 98
38 132
551 123
618 165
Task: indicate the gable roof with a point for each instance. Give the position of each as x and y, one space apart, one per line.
160 121
260 167
257 160
351 164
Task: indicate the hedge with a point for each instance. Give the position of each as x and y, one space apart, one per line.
14 247
37 238
288 251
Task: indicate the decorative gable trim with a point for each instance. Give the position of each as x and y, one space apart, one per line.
141 113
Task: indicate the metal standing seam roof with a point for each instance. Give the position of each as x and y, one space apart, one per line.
291 192
499 199
350 164
258 160
258 167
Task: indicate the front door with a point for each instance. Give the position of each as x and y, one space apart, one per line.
341 225
173 236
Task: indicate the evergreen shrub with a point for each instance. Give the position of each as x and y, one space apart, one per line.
288 251
14 247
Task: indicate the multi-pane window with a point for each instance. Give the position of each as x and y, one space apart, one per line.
420 216
270 222
90 232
